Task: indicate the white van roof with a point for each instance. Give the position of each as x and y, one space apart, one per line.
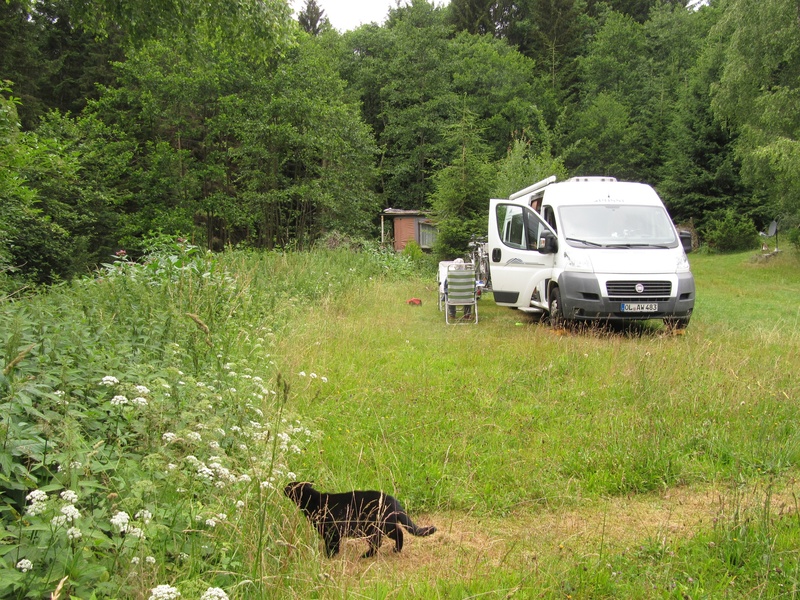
599 190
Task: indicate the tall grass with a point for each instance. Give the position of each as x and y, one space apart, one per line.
261 368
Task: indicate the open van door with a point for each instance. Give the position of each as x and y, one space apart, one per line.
522 249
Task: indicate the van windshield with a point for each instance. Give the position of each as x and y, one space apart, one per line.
617 226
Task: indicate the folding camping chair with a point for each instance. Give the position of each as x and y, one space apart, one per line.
461 290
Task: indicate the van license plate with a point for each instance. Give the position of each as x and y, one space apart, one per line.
640 307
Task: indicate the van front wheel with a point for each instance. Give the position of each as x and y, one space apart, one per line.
556 313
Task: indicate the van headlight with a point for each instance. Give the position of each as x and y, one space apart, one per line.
576 260
683 263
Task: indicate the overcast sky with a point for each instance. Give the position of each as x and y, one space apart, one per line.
345 15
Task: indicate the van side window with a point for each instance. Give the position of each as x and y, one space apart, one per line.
509 217
518 226
550 217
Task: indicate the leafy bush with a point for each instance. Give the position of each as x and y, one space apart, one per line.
145 425
731 231
793 235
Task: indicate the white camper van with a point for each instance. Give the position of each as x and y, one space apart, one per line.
590 248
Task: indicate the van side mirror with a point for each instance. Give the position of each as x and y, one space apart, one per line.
686 240
548 244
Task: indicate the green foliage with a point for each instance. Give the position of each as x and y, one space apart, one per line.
793 234
413 78
312 18
254 155
700 175
244 130
263 26
462 190
759 49
608 140
731 231
523 167
36 175
145 423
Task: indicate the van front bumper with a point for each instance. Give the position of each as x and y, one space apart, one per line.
583 297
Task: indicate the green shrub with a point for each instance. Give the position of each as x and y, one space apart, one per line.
793 235
731 231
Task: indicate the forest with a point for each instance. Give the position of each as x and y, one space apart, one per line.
244 125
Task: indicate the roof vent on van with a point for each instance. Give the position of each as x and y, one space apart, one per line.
593 179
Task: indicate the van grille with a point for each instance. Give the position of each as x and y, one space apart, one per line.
625 291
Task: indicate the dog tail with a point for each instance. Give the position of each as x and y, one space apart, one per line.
406 522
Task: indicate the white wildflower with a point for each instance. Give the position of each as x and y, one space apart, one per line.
120 521
75 464
150 560
313 375
164 592
136 532
69 496
38 500
169 437
24 565
144 515
324 379
214 593
204 472
70 513
74 533
266 485
37 496
142 389
119 400
244 478
239 504
211 523
213 444
109 380
139 401
135 560
302 373
193 436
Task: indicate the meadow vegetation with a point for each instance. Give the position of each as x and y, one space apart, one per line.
152 412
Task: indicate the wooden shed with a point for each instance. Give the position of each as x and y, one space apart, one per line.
408 226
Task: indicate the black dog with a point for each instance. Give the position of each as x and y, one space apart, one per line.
354 514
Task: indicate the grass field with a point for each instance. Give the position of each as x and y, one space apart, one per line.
574 463
547 452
